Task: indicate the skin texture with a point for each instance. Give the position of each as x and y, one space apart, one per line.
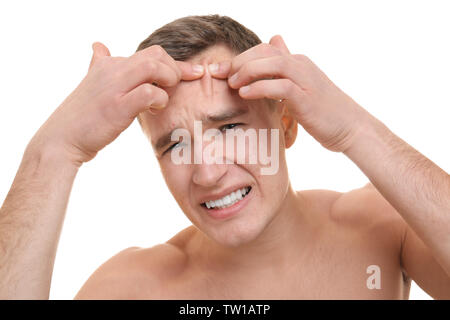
313 244
201 180
283 244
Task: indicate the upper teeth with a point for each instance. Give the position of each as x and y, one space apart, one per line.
229 199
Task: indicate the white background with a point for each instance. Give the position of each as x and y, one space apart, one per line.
392 57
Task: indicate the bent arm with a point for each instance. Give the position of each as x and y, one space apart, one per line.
416 187
31 219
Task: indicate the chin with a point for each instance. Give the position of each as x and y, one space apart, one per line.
238 233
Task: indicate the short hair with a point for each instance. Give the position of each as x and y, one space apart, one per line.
186 37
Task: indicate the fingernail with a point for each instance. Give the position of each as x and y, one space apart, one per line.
198 69
234 78
244 89
213 67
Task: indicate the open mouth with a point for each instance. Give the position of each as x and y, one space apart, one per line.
228 200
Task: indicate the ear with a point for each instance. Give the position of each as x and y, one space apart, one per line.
290 127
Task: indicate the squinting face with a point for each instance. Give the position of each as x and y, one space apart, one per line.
196 185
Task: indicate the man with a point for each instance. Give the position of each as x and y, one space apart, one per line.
252 237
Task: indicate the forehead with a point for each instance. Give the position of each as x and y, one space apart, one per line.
192 100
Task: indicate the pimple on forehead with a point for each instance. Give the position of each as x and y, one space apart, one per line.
206 85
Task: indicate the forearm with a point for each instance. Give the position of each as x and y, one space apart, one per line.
416 187
31 219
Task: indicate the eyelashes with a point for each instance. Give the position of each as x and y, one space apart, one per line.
173 146
229 126
221 128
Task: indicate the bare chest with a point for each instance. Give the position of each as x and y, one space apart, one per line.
338 273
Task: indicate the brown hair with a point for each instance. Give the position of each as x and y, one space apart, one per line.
188 36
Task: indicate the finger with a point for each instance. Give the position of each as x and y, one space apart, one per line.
151 71
142 98
275 89
99 50
190 71
156 52
262 50
278 42
220 70
273 67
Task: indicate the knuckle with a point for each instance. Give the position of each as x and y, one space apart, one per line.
150 67
157 50
149 94
147 90
172 78
156 96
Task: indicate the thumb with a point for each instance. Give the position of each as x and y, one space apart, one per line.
99 50
190 71
277 41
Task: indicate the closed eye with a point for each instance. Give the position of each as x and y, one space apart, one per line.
229 126
175 145
223 128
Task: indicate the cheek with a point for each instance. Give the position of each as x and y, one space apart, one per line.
177 178
273 190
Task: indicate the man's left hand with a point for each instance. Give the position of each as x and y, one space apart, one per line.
271 71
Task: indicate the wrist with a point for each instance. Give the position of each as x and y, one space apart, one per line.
369 133
50 156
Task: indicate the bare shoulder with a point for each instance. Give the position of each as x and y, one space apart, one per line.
364 203
362 211
135 273
365 208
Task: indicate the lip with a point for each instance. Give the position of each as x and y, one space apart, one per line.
225 213
223 193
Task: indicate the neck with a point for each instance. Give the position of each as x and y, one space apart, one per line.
273 247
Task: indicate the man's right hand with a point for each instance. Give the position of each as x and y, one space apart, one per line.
105 103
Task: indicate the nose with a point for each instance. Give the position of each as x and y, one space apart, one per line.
208 175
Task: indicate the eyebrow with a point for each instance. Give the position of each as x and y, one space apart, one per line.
166 138
224 116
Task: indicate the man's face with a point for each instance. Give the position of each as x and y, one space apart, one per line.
194 185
